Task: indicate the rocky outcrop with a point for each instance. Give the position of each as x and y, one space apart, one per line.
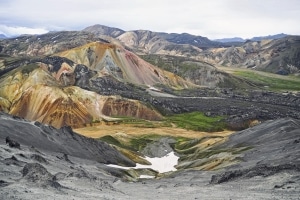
159 148
37 174
121 107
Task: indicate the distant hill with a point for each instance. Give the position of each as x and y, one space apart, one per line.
259 38
2 36
234 39
277 56
147 41
269 37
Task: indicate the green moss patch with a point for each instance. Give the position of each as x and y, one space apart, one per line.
197 121
274 82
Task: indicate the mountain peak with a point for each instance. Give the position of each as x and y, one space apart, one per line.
104 30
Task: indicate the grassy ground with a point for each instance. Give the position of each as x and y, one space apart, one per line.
269 81
195 121
275 83
131 135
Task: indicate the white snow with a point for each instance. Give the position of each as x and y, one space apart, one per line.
154 89
146 176
163 164
55 37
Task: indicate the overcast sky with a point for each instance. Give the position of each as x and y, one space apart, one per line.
210 18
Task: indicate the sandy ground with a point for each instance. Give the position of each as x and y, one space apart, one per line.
100 131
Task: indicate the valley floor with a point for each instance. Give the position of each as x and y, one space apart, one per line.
268 170
83 179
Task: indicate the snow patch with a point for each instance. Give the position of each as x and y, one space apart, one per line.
146 176
55 37
162 165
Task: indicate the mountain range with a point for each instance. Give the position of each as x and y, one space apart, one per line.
259 38
277 54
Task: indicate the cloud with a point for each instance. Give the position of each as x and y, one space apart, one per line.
13 31
213 19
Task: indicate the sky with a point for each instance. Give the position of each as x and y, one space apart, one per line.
214 19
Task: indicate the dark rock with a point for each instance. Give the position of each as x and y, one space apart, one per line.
38 124
38 174
13 161
159 148
258 170
55 61
4 183
38 158
65 158
278 186
22 155
178 184
81 174
161 187
12 143
59 176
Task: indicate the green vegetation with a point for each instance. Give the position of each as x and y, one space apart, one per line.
189 143
111 140
140 143
136 122
133 143
178 65
197 121
29 68
273 82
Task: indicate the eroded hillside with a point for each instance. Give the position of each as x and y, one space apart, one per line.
109 59
46 91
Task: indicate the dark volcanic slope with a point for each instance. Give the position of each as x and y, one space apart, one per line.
62 140
274 148
276 141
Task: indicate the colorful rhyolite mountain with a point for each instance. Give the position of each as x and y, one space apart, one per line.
110 59
46 91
